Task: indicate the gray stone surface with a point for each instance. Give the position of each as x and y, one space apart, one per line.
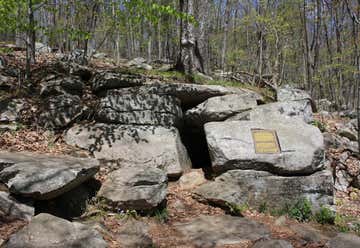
308 233
231 146
288 93
219 108
11 209
140 109
214 231
10 109
45 231
348 133
278 110
112 80
344 240
273 243
134 234
191 95
43 176
134 188
59 111
60 86
144 146
257 187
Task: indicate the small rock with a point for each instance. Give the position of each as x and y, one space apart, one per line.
342 180
308 233
42 48
12 209
272 243
46 230
280 221
134 188
134 234
192 179
214 231
347 133
344 240
99 55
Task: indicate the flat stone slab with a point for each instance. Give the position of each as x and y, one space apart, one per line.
232 146
134 188
214 231
273 243
191 95
219 108
42 176
278 110
107 80
45 231
12 209
139 109
133 146
258 188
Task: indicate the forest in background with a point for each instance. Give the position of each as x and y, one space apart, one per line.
313 44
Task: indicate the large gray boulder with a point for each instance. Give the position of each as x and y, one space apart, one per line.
12 209
59 111
43 176
258 188
140 109
134 188
231 146
191 95
61 86
216 231
45 231
219 108
280 110
107 80
126 145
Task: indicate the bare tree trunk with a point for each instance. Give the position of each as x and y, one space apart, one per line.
190 58
226 30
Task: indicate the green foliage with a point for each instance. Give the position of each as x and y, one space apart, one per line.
236 210
325 216
341 223
301 210
162 215
263 207
319 125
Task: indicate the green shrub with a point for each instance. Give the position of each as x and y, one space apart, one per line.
162 215
301 210
263 207
325 216
319 125
236 210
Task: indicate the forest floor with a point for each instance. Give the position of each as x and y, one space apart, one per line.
181 206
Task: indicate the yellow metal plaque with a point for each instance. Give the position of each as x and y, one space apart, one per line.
265 141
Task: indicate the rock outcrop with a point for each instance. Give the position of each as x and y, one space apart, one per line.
139 146
69 85
44 177
140 109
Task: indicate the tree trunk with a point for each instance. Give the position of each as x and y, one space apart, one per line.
190 59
